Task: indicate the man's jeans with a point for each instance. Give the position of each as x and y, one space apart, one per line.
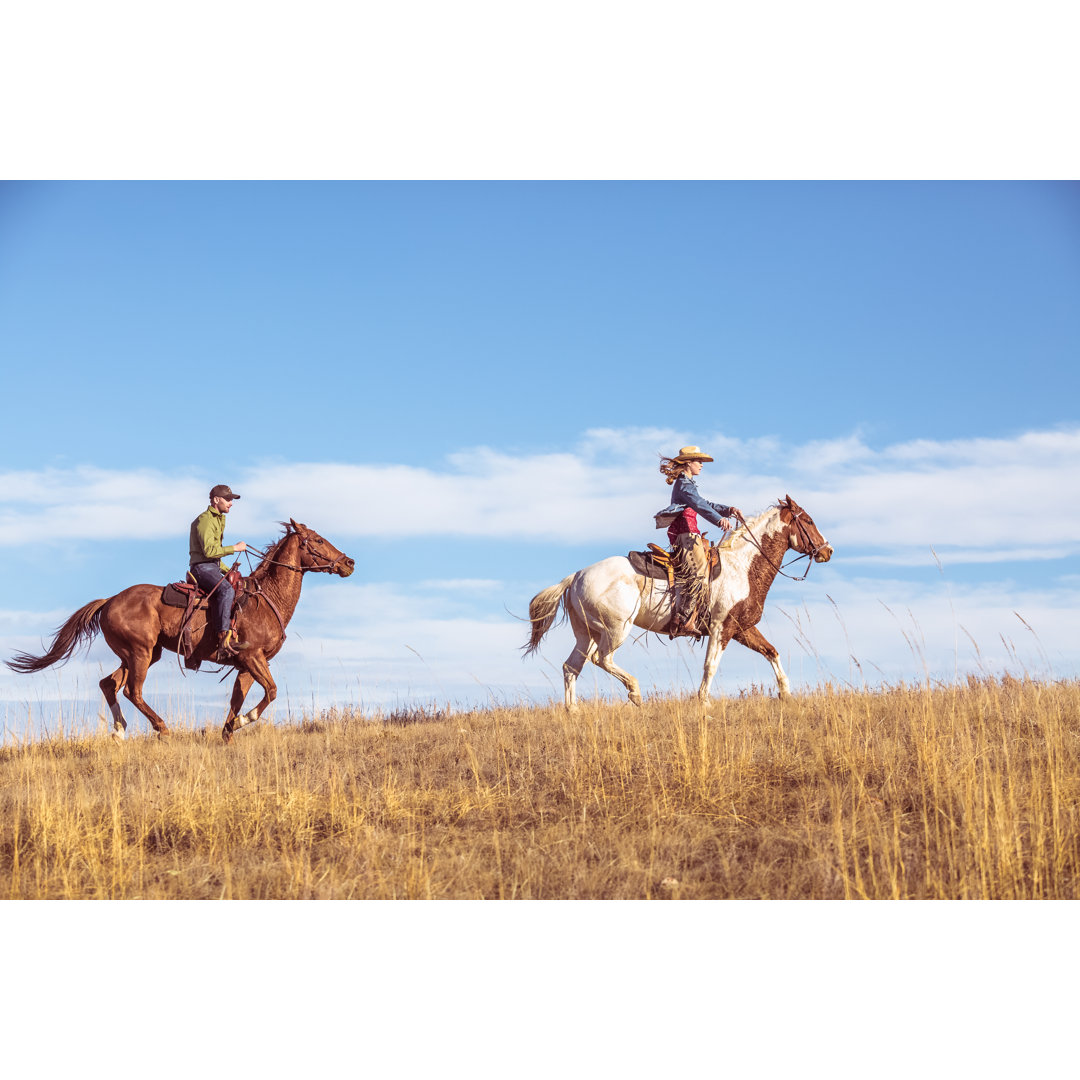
208 574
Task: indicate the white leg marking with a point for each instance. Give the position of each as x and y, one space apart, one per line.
712 662
781 679
246 718
569 686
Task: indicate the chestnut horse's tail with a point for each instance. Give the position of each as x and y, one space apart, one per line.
543 608
80 628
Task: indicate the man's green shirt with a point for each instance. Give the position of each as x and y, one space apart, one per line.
207 532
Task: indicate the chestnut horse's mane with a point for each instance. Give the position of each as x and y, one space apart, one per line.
268 559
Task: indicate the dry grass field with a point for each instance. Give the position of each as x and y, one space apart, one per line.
968 792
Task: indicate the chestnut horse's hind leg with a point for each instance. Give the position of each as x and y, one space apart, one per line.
137 666
255 667
111 685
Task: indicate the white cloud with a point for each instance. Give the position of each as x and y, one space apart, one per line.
903 631
464 584
971 500
88 503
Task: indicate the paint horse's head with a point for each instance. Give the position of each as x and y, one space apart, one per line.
803 536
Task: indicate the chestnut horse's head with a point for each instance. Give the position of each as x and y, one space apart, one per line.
318 555
804 536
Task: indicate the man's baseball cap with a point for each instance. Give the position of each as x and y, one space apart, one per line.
222 491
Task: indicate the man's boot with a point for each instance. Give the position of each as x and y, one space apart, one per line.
226 647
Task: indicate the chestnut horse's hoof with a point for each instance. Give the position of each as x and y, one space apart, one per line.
227 733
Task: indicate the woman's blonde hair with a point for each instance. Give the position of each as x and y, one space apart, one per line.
672 468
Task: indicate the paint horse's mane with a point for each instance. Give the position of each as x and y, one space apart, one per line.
742 532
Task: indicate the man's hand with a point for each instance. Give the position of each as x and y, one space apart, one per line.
240 546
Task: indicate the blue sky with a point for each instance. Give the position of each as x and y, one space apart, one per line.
467 386
441 315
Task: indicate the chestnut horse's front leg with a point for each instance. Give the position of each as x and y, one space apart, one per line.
242 685
253 667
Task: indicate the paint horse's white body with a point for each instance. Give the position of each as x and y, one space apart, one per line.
605 600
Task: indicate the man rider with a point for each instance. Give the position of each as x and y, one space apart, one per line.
208 569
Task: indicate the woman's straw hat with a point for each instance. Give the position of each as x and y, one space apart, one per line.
693 453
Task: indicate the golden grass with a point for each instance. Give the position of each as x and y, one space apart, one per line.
966 792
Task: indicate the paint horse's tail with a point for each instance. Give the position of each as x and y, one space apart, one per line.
80 628
543 608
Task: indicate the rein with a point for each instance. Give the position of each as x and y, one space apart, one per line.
265 560
305 544
802 555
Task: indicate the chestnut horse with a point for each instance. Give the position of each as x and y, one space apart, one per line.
137 625
604 600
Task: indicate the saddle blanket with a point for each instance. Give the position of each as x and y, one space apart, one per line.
177 593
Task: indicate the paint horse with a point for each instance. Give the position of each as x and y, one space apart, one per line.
137 625
605 600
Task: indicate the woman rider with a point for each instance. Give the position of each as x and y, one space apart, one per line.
689 556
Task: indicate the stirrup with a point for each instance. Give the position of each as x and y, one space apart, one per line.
228 647
686 627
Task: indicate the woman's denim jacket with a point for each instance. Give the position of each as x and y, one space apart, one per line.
685 494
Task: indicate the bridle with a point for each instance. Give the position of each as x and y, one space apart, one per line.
327 567
804 535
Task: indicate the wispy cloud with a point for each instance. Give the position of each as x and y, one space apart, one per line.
383 645
904 631
971 500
